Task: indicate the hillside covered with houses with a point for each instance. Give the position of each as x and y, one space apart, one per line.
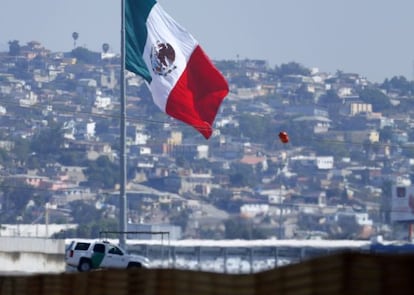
350 140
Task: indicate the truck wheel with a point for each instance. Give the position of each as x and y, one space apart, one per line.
134 265
84 265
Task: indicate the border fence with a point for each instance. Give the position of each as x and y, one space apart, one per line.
342 274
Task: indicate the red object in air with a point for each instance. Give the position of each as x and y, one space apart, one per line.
284 137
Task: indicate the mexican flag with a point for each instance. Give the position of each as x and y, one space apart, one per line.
182 79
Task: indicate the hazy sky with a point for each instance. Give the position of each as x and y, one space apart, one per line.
374 38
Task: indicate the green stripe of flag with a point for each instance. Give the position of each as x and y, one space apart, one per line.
136 14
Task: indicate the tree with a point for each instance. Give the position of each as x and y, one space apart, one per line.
45 146
14 48
385 205
380 101
337 149
72 158
4 156
385 134
242 80
398 83
17 197
75 36
292 68
239 228
91 222
257 128
105 47
408 152
180 218
21 149
85 56
48 141
347 228
102 173
83 212
102 127
241 175
329 97
303 94
220 198
299 130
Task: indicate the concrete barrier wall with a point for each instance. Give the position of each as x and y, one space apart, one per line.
23 262
32 245
31 255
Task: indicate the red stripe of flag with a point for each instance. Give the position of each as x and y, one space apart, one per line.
197 95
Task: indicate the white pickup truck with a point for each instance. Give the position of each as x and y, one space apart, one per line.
86 255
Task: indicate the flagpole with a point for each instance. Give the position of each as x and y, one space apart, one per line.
122 158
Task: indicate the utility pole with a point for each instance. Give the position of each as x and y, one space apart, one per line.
122 156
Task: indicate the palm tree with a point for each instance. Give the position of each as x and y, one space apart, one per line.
75 36
105 47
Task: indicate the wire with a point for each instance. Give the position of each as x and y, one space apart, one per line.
176 123
130 119
108 192
41 108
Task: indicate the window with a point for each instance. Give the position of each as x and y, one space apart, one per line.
116 251
82 246
99 248
400 192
